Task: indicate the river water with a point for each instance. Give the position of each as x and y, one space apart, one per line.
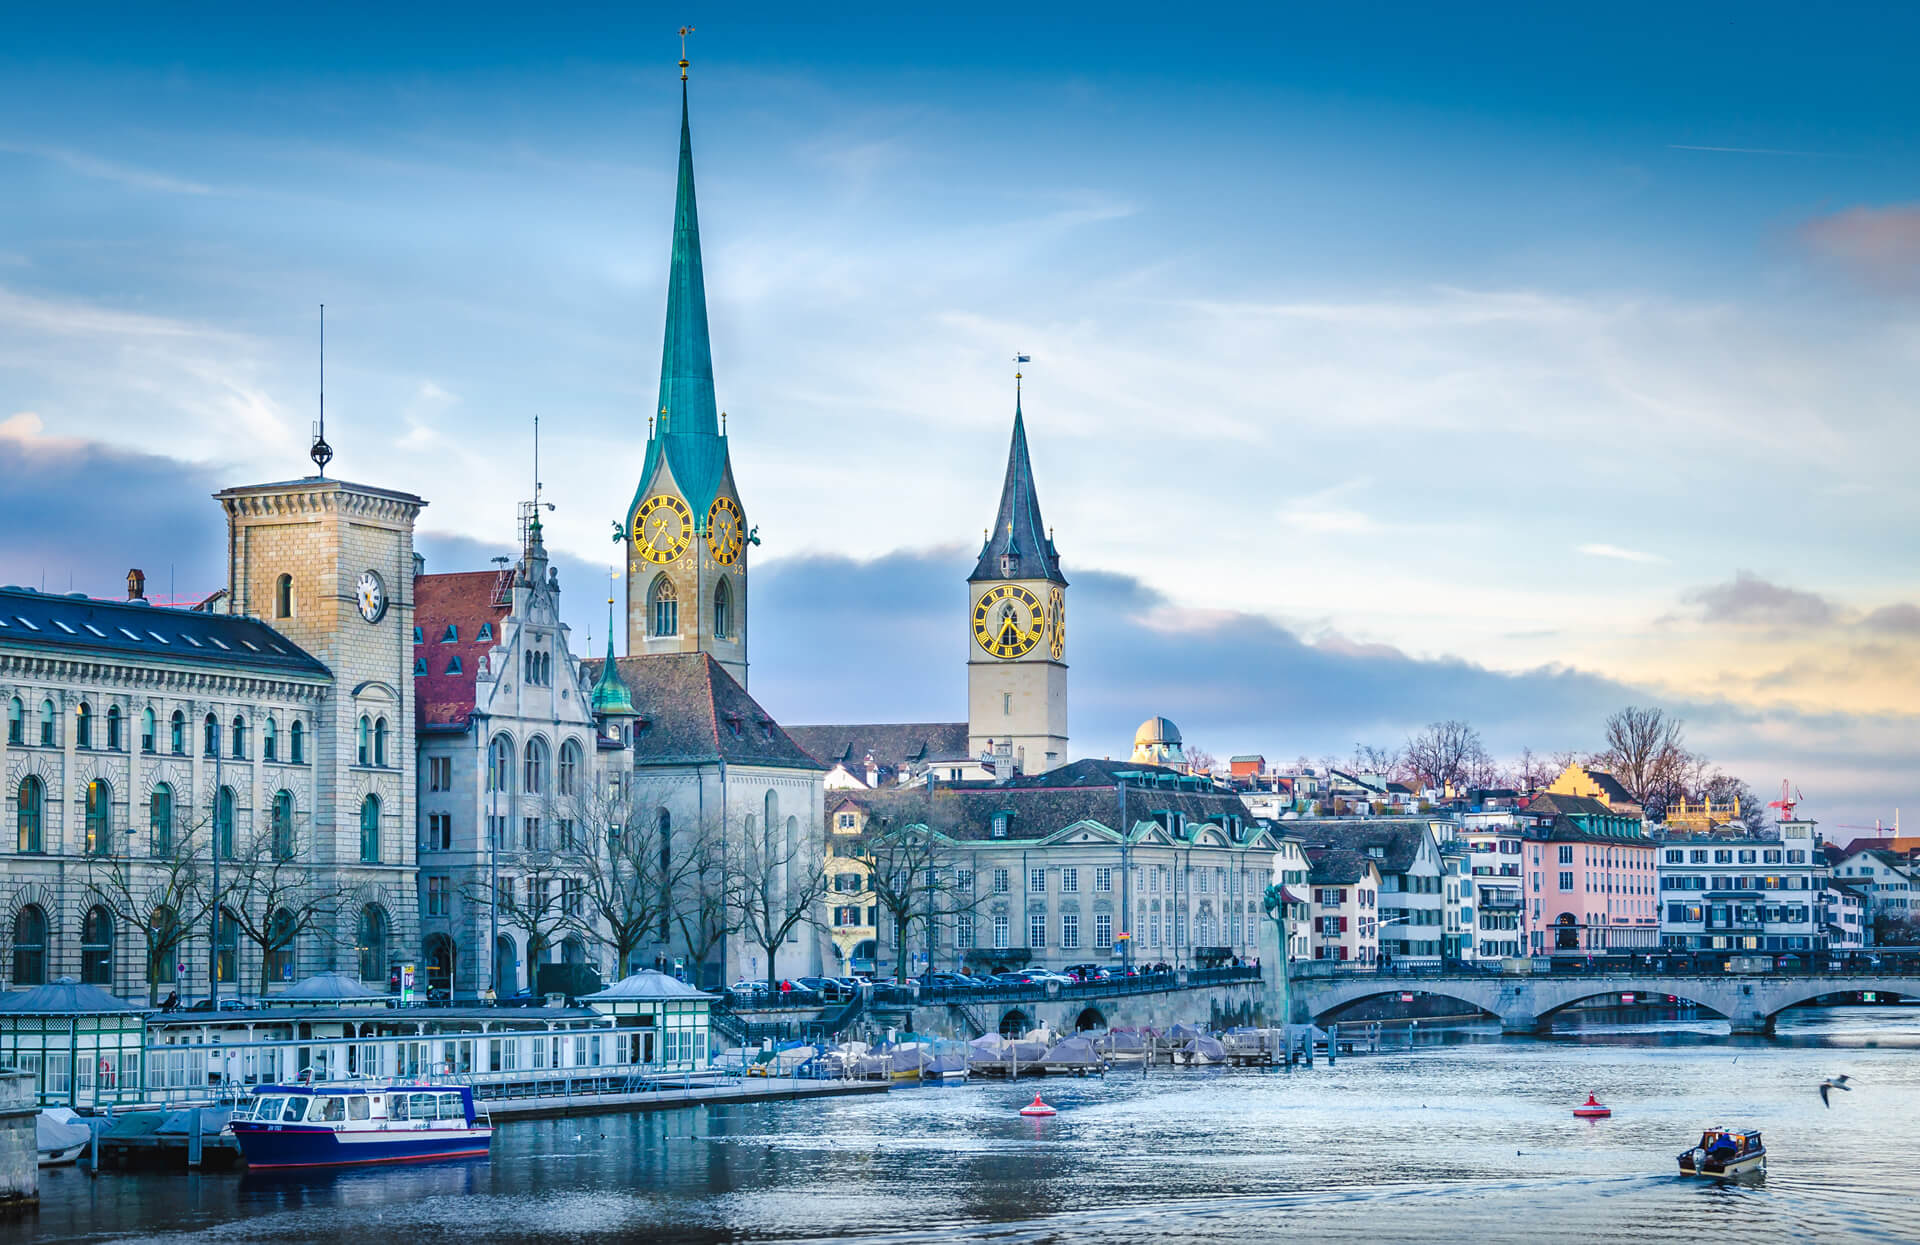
1466 1136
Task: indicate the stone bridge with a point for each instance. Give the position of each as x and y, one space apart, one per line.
1527 1004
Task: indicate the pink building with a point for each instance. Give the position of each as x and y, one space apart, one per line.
1592 880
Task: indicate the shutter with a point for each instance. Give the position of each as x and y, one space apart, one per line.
1343 925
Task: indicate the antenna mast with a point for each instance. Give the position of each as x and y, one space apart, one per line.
321 452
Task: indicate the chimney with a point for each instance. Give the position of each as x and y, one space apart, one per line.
873 772
136 585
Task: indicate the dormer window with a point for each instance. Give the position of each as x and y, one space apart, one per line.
485 633
453 664
451 635
1000 823
733 725
1006 564
417 637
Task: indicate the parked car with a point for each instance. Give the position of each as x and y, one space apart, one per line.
828 988
227 1004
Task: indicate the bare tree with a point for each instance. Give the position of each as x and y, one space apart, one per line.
164 895
537 894
1446 754
1388 763
1530 772
273 896
913 869
1646 751
1199 760
702 913
628 864
1724 789
774 884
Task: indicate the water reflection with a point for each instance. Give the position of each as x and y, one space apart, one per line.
1463 1135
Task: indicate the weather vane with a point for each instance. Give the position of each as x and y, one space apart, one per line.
684 32
1020 358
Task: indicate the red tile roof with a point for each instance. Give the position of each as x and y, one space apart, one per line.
465 600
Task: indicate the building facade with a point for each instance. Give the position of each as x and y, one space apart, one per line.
1720 893
1412 894
1592 880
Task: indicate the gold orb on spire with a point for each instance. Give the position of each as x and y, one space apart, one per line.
684 32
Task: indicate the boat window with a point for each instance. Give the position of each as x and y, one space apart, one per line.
421 1106
267 1109
450 1108
357 1108
295 1111
328 1110
397 1107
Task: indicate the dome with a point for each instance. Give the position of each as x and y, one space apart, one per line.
1156 731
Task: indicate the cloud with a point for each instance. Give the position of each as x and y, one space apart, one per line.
1616 552
1878 245
1748 599
107 170
1900 619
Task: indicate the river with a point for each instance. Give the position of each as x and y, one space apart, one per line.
1466 1136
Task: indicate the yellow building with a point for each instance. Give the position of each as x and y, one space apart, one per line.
1578 779
1702 817
851 913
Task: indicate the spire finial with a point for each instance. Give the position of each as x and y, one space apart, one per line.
1018 359
684 32
321 452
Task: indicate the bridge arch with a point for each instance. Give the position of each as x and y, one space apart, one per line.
1015 1023
1642 992
1463 993
1089 1018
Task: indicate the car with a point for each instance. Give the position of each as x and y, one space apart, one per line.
953 981
828 988
228 1004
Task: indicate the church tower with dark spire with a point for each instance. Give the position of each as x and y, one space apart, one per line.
685 532
1016 630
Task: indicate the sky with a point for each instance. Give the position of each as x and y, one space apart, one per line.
1387 364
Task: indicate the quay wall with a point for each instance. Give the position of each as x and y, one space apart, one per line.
19 1142
1214 1007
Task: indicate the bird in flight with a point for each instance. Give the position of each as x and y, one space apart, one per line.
1838 1082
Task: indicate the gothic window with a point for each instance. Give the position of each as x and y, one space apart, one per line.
380 742
535 778
177 733
96 947
83 726
283 597
211 744
283 825
270 741
113 728
46 723
29 806
722 611
223 823
366 740
370 830
500 764
664 606
569 766
372 939
99 818
160 819
16 721
30 947
239 737
148 729
296 745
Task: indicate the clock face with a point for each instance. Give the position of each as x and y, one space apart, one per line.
1008 621
723 531
1057 623
370 595
662 528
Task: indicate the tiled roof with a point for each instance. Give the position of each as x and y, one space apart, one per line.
464 600
1611 785
691 710
893 745
1397 838
146 633
1549 803
1337 867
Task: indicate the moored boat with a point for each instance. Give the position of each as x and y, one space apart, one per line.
353 1122
1724 1153
60 1136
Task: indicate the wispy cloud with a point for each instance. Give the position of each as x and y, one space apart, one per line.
1617 553
1755 151
108 170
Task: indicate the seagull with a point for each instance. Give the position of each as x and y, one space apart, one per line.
1838 1082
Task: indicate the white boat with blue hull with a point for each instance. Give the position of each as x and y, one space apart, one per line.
355 1122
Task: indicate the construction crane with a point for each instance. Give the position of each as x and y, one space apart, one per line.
1785 803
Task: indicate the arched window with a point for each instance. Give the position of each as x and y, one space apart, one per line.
223 823
113 728
370 830
239 736
664 605
162 963
280 934
270 741
722 611
663 826
29 807
372 940
380 741
30 947
177 733
16 721
96 947
569 766
500 764
283 597
160 818
99 818
573 951
773 812
227 958
210 745
46 723
148 738
297 743
366 740
83 726
534 780
283 825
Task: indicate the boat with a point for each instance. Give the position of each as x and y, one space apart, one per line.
1592 1109
1724 1153
61 1136
353 1122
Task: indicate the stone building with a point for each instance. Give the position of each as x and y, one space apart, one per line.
1344 920
1746 893
1406 852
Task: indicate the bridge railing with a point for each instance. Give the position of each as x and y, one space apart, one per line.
1656 964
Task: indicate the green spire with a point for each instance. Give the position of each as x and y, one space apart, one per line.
610 695
686 358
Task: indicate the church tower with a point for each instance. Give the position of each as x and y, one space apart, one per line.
1017 630
686 531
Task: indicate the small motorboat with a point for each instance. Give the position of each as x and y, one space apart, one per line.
351 1122
1037 1107
1592 1109
61 1136
1724 1153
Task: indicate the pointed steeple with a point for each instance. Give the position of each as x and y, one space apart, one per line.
611 699
686 358
1018 545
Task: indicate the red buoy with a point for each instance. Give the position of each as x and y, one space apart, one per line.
1036 1107
1592 1109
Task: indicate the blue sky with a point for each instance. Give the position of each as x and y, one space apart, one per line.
1509 340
